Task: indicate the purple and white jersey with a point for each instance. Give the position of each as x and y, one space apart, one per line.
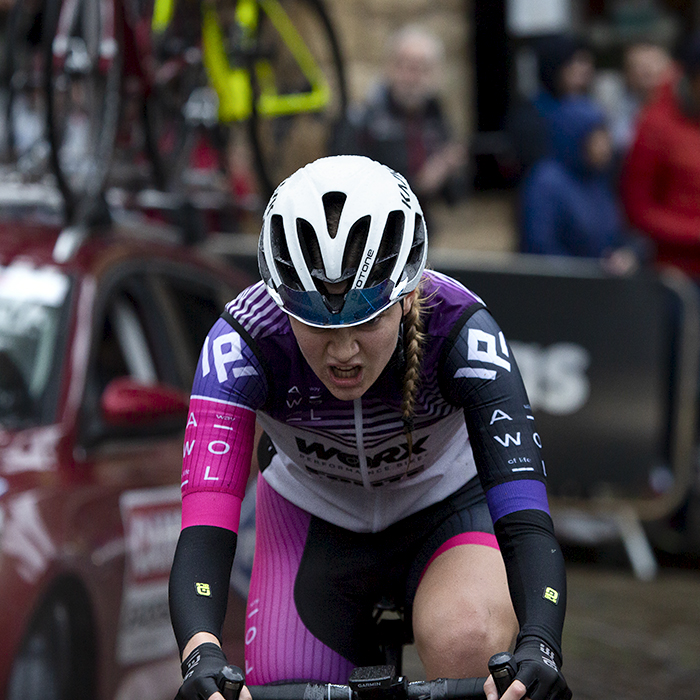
348 461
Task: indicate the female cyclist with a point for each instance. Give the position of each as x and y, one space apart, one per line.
402 458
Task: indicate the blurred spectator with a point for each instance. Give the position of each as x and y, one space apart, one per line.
568 203
566 69
645 67
402 123
661 177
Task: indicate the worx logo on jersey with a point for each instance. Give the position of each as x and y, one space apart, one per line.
389 464
391 455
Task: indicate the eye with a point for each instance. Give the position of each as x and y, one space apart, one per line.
372 323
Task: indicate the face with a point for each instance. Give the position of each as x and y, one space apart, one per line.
576 76
599 149
412 72
349 360
645 68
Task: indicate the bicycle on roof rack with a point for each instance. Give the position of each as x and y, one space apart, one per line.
23 138
151 79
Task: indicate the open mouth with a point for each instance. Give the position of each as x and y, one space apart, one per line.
346 372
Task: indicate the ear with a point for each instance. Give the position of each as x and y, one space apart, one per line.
407 302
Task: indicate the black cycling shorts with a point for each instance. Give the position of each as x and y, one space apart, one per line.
344 574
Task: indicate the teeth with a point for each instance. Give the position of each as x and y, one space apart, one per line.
345 373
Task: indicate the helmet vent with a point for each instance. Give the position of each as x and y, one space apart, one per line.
280 254
388 249
355 247
310 249
415 255
333 203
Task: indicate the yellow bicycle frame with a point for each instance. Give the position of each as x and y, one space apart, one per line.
233 84
163 11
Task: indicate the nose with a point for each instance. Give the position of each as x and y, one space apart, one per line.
343 345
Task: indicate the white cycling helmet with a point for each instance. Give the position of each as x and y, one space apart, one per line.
378 248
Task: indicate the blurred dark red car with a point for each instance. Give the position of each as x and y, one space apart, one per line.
99 337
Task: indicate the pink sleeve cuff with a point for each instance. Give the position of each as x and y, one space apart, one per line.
211 508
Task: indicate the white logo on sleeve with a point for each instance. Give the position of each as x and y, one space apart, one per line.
226 350
293 397
499 415
487 348
508 439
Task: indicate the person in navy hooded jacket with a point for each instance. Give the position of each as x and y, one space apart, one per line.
568 203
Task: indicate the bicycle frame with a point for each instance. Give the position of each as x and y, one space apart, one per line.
233 84
107 42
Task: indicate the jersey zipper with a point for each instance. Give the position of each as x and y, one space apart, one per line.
360 442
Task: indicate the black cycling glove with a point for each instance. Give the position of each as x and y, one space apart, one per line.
538 671
201 670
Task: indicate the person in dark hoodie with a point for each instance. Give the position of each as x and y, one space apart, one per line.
565 69
568 205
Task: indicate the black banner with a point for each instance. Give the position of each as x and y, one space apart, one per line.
600 358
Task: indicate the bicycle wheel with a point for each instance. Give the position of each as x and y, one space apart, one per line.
55 660
24 106
180 106
283 143
83 73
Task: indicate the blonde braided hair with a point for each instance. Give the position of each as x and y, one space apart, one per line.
414 340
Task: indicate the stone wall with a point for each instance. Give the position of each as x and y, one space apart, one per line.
363 27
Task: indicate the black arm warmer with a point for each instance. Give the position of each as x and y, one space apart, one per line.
536 575
199 581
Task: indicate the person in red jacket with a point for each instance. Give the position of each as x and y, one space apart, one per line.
660 185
